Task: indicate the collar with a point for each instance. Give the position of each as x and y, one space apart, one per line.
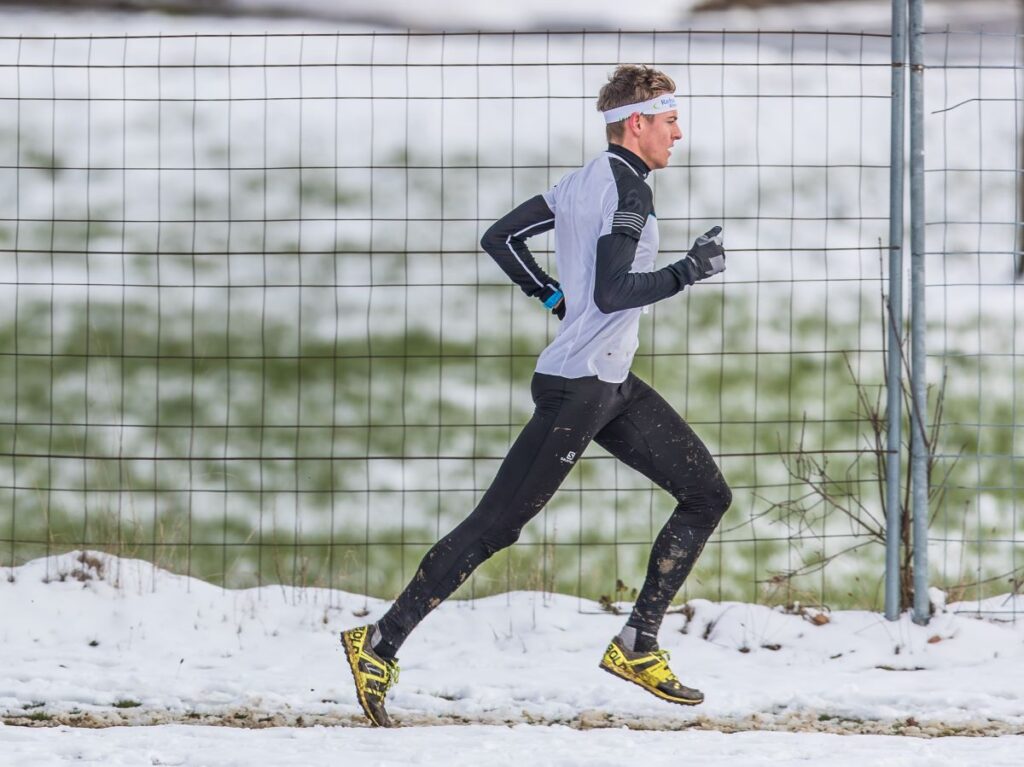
634 160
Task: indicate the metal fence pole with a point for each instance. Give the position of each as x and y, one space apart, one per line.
918 385
894 405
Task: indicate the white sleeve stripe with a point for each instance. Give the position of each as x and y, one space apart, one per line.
628 217
528 228
508 242
629 223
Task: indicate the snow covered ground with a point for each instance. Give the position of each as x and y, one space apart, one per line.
93 640
452 15
486 745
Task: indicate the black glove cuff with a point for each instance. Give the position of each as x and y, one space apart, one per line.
685 272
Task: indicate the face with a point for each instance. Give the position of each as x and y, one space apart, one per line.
656 136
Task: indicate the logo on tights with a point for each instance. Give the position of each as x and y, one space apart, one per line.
569 458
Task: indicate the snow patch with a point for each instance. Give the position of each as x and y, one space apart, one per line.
91 638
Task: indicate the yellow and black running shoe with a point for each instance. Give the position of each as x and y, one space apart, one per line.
372 674
649 670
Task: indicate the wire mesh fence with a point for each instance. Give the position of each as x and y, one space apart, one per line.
975 296
247 331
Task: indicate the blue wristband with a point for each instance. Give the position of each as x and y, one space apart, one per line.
553 299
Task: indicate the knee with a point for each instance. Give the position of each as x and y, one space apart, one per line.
723 494
494 541
706 506
719 498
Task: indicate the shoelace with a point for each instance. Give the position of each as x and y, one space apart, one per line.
392 670
661 669
392 675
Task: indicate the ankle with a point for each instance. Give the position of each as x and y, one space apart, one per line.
638 639
380 645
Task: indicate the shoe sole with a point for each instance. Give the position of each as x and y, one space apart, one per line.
352 656
656 693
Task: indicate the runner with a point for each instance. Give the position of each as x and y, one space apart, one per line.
606 241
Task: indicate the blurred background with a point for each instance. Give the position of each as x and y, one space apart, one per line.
247 332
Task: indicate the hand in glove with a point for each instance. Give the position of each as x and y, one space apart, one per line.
553 298
705 259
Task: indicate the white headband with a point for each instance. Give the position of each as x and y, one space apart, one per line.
666 102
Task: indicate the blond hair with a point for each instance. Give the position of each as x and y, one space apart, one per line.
631 84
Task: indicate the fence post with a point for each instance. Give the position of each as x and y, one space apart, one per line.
894 403
918 384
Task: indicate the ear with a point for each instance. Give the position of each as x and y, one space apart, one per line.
634 121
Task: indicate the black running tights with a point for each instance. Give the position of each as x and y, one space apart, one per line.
632 422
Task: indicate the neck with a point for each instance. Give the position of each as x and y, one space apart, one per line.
631 157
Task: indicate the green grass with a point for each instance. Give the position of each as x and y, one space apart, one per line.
241 522
119 410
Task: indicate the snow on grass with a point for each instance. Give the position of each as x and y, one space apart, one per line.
786 143
92 639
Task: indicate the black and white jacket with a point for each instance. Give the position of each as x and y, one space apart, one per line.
606 242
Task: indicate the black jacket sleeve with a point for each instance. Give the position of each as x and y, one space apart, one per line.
505 242
617 288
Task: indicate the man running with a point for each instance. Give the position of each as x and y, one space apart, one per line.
606 241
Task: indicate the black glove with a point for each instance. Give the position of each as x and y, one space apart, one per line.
553 298
705 259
